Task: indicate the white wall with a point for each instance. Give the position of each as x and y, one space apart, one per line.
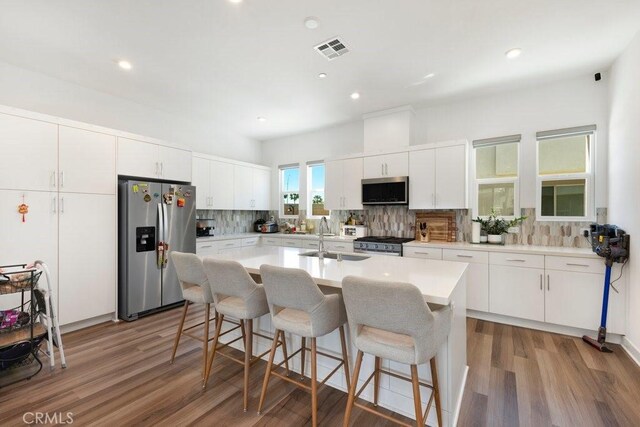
318 145
566 103
624 168
37 92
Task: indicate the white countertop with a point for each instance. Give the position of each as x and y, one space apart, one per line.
276 235
435 279
523 249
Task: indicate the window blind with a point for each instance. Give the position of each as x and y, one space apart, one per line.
575 131
509 139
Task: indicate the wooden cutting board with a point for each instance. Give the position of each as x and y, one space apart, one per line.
441 226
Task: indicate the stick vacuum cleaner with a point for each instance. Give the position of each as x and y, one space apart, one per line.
612 244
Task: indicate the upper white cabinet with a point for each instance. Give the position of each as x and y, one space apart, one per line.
147 160
251 188
438 178
87 162
221 185
201 178
387 165
261 189
343 184
29 154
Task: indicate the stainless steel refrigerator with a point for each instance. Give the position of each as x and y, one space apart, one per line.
154 218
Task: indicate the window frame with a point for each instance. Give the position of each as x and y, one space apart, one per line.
514 139
281 192
310 190
588 176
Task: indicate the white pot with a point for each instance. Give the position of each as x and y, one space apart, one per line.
475 232
495 238
483 239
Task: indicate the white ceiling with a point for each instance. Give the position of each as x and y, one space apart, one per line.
230 63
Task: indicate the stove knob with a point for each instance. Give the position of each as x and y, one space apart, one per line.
375 246
387 247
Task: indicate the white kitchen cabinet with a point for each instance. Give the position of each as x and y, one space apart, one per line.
201 179
343 184
34 239
261 189
229 244
477 276
206 248
386 165
242 187
292 242
422 179
575 299
451 177
175 164
438 178
425 252
222 186
266 240
333 246
29 154
517 292
148 160
87 256
250 241
87 161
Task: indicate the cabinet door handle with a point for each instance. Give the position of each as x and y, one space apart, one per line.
157 169
421 253
54 205
61 179
433 199
516 260
207 246
381 168
577 265
61 204
229 244
161 168
548 283
464 256
53 178
386 169
541 282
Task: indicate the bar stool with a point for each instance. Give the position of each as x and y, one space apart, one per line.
392 321
298 307
195 290
237 295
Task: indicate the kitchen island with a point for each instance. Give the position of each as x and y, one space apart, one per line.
440 282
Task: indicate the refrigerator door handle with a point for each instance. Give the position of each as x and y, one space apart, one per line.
160 224
165 220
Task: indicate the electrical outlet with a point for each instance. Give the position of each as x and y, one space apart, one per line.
585 232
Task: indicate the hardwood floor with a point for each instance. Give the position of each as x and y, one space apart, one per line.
119 374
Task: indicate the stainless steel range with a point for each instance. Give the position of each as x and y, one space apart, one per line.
380 245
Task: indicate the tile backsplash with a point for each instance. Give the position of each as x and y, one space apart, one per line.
231 222
400 221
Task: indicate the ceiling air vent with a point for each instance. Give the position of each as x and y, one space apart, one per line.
332 48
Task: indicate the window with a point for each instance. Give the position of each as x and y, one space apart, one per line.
496 172
289 191
315 190
565 174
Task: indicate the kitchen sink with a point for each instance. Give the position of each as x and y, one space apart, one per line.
333 255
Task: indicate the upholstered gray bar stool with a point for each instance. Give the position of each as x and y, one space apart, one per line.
392 321
238 296
195 290
299 307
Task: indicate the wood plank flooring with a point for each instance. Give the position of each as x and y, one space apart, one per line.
119 375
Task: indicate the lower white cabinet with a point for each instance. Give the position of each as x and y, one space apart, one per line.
338 246
206 248
517 292
87 256
477 276
426 253
271 241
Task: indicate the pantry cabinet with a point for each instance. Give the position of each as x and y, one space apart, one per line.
387 165
438 178
87 260
87 161
343 184
148 160
29 154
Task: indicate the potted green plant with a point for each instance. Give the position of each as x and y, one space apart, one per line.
496 227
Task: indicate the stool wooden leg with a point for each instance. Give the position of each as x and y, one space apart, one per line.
302 361
352 389
214 347
345 356
284 352
267 374
416 395
179 333
243 332
436 389
376 380
205 343
314 384
248 353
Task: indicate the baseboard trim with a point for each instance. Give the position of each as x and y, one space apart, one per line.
456 414
70 327
631 350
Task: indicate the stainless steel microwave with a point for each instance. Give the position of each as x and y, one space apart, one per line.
386 191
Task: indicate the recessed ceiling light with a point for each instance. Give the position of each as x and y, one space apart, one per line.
311 23
430 75
125 65
262 119
322 75
513 53
235 1
355 95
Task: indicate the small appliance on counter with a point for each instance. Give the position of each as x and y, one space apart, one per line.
262 226
204 227
354 231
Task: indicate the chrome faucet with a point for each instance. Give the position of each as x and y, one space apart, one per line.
321 227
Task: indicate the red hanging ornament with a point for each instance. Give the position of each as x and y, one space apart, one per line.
23 209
